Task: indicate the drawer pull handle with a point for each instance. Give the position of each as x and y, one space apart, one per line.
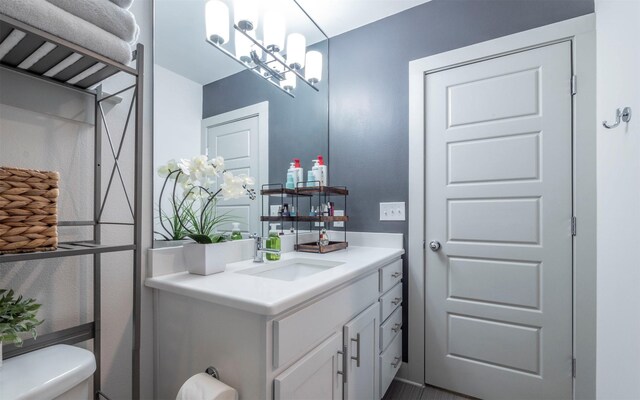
396 274
396 301
396 327
357 358
396 362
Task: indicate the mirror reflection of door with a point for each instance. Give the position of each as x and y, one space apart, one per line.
242 140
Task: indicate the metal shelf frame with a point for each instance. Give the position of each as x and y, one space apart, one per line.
13 60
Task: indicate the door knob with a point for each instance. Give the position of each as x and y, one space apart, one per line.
434 245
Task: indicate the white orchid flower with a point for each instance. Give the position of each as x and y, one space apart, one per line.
218 163
185 166
163 171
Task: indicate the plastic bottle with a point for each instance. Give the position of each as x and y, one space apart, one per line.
292 171
273 243
317 173
310 179
299 177
235 232
290 181
324 171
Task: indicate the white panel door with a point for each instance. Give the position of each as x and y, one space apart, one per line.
361 342
238 143
499 201
317 376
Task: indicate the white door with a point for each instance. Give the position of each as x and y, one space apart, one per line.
317 376
361 341
238 142
499 201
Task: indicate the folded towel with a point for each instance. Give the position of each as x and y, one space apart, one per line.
103 14
122 3
47 17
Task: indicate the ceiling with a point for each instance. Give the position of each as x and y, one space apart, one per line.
180 32
339 16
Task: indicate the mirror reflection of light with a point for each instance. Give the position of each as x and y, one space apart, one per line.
217 21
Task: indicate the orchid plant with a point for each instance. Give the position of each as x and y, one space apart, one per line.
195 194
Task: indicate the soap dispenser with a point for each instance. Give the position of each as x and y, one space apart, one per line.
299 176
235 232
324 173
273 243
293 173
317 173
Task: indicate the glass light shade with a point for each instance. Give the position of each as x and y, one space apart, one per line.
244 46
289 82
245 14
313 68
217 21
296 47
274 31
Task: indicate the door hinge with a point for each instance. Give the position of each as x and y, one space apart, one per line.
574 226
574 85
573 367
424 244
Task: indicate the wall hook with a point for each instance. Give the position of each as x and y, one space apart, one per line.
621 114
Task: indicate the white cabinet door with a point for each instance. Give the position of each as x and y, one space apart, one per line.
361 341
317 376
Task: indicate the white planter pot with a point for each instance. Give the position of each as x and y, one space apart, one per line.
205 259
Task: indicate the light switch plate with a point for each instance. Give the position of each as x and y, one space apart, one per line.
392 211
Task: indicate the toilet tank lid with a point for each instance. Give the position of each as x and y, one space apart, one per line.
45 373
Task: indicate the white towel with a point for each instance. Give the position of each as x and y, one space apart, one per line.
122 3
47 17
103 14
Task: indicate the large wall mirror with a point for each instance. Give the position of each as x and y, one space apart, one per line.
208 102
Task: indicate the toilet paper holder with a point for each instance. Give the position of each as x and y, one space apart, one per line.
212 371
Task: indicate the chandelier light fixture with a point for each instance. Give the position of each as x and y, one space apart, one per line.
280 58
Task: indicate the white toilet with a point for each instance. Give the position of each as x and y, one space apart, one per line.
58 372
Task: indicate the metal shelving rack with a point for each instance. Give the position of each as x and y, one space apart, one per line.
322 194
85 79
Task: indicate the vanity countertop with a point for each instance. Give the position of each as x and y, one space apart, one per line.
271 296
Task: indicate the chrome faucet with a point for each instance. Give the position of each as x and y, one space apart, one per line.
258 250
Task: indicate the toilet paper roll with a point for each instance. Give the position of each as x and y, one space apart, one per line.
204 387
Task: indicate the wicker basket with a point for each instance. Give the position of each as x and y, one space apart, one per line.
28 210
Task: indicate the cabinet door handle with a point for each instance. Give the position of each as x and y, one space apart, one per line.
396 327
357 358
344 375
396 362
396 301
396 274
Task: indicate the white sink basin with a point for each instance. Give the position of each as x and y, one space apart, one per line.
290 270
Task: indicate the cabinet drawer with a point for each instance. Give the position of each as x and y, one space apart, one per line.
391 327
390 361
295 334
390 301
390 275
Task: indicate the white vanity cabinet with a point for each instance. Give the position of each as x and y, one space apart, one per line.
318 375
339 344
390 329
361 342
345 366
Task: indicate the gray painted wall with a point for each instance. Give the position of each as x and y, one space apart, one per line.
369 101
